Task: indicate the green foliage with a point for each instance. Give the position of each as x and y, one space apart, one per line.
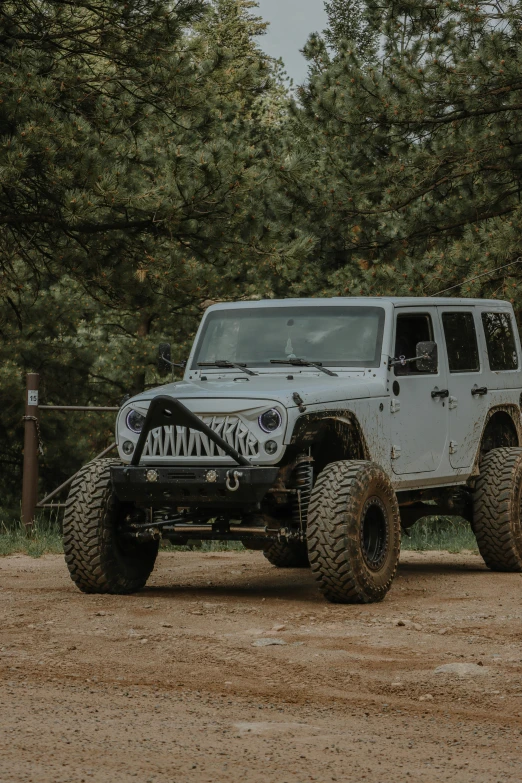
44 539
151 163
450 534
348 21
137 186
415 155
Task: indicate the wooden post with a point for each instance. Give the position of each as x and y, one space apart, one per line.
31 448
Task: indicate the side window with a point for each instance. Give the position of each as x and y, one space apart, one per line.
461 342
500 340
411 329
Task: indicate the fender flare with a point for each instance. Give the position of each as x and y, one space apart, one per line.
308 425
510 409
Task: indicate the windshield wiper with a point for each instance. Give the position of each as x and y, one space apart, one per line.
303 363
225 363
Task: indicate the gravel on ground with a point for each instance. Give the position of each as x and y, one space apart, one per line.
227 669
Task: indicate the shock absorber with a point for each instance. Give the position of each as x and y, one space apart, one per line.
302 480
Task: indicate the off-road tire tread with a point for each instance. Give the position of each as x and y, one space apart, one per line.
496 513
88 533
331 517
285 555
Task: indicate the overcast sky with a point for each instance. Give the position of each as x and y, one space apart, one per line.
291 22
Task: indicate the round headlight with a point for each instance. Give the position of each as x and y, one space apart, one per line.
127 447
270 447
270 420
135 421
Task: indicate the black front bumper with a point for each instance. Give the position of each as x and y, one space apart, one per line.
189 487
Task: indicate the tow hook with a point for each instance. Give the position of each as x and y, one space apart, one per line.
235 475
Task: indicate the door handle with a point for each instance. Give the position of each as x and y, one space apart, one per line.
479 391
440 393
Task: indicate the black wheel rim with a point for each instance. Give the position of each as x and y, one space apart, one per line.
374 533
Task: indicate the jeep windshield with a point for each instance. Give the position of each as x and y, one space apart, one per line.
335 336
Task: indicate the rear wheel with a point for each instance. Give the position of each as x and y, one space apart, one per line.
497 509
287 555
98 558
353 532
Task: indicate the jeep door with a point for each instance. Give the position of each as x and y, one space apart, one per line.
419 409
467 383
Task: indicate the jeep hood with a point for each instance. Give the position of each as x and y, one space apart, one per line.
312 389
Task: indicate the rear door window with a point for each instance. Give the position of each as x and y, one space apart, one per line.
500 341
461 342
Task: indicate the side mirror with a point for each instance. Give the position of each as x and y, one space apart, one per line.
164 359
428 354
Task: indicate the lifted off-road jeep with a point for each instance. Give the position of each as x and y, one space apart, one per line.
314 430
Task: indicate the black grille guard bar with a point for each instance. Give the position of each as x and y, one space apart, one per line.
165 411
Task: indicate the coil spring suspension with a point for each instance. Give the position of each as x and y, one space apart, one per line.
303 481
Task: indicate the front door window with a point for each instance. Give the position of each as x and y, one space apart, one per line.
411 329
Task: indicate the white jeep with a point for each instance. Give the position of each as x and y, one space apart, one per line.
313 429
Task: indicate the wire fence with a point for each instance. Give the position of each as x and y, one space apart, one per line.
34 449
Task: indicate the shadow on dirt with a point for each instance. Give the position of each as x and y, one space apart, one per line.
442 569
297 585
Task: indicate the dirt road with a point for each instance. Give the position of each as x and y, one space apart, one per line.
184 682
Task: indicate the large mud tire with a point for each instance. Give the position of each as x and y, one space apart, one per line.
285 555
354 532
497 512
98 560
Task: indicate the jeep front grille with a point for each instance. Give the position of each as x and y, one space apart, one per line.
182 442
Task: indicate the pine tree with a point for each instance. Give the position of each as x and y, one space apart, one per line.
415 155
136 186
348 21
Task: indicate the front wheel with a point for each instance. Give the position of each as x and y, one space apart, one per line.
98 558
354 532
